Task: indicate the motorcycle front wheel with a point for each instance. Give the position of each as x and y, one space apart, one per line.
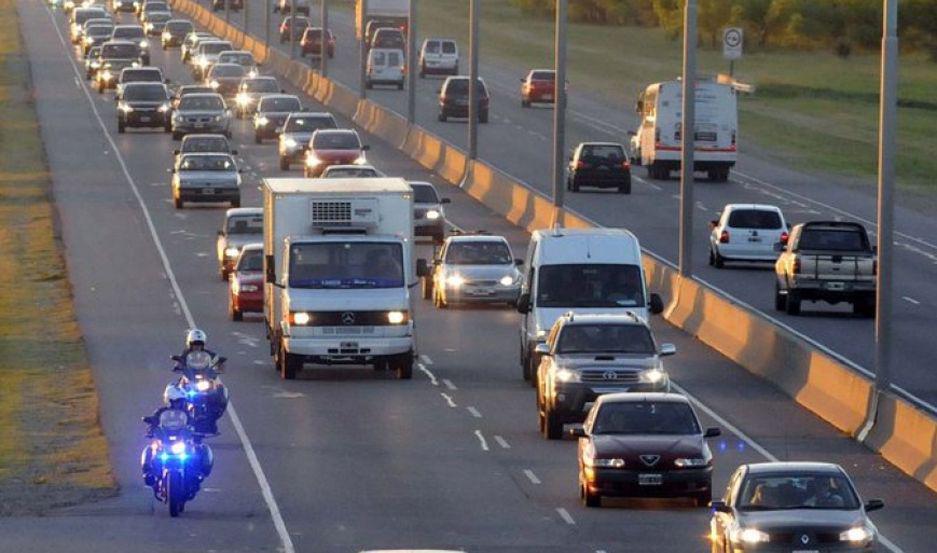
175 495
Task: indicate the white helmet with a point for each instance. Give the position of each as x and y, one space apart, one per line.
193 336
173 393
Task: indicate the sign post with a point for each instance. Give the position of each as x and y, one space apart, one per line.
732 39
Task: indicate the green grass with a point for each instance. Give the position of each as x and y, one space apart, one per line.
811 110
52 450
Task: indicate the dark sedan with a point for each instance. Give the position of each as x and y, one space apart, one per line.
644 445
600 165
144 105
271 112
792 507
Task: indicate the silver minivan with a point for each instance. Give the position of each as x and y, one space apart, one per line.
439 56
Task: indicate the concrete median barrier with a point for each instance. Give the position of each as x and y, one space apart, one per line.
907 437
383 123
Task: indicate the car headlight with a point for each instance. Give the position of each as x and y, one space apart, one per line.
202 385
87 40
432 214
144 43
177 448
95 65
396 317
107 75
857 534
290 143
124 107
615 463
361 160
262 121
232 251
135 64
249 288
214 84
167 35
165 107
748 536
242 99
507 280
300 318
219 117
690 462
567 375
455 281
653 376
312 160
252 73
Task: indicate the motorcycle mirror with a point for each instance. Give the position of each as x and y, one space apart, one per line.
221 360
176 357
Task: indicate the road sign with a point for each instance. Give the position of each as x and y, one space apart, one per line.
732 43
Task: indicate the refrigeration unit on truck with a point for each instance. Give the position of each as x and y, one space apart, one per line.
338 269
386 13
658 140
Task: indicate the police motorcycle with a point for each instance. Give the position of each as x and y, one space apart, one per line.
206 397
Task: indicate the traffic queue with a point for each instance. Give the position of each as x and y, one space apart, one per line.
329 264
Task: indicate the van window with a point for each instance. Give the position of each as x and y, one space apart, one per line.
379 58
448 47
432 47
393 59
754 219
590 285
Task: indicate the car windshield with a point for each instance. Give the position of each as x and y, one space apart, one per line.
770 492
215 47
280 104
424 194
98 31
460 87
245 224
350 172
645 417
261 85
250 261
605 338
314 34
155 7
205 144
141 75
186 90
486 252
146 93
179 27
598 154
158 17
128 33
336 141
754 219
845 240
543 76
201 103
348 265
590 285
227 71
207 163
389 39
309 123
240 59
120 51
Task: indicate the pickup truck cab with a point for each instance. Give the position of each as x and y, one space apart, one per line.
830 261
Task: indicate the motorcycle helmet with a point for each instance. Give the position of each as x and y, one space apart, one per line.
195 336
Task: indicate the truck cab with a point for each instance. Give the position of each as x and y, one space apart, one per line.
338 263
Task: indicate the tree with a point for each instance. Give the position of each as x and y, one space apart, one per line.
713 16
670 15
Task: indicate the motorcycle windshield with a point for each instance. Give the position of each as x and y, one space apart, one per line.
198 360
173 420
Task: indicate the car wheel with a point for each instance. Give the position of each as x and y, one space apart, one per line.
780 300
718 261
712 257
552 427
223 274
864 307
793 303
422 71
589 499
573 185
400 86
284 163
703 499
525 103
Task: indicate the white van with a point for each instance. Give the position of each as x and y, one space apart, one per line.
583 270
385 66
658 137
439 56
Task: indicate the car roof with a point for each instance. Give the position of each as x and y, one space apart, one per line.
332 168
200 136
593 245
235 211
205 95
304 114
618 144
421 183
227 64
239 52
128 27
476 238
336 131
759 207
636 397
253 246
793 466
144 68
278 96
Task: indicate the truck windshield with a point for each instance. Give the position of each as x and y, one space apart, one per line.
347 265
605 338
590 285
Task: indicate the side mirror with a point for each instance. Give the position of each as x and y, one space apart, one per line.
713 224
518 262
365 147
577 432
667 349
542 349
270 275
175 152
422 269
657 304
175 357
712 432
719 506
445 201
523 303
874 505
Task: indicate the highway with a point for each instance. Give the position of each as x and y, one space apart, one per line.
345 460
518 141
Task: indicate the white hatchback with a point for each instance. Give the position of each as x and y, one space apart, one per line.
439 55
747 232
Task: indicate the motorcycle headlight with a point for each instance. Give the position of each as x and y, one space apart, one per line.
203 385
107 75
144 43
214 84
567 375
455 281
748 536
857 534
177 448
432 214
653 376
232 251
242 99
507 280
396 317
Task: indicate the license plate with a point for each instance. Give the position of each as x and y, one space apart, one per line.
650 479
805 551
198 125
835 285
145 118
601 391
348 345
754 239
480 292
208 191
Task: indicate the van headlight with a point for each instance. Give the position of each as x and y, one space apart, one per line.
857 534
455 281
300 318
507 280
748 536
432 214
397 317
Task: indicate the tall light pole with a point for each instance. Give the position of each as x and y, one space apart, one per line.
888 107
411 63
473 80
687 138
227 11
363 51
292 29
247 12
324 48
559 106
267 28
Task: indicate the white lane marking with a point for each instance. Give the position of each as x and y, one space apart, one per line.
448 399
259 362
449 384
502 442
77 83
531 476
481 439
647 182
426 359
910 300
430 375
701 207
266 491
564 514
474 412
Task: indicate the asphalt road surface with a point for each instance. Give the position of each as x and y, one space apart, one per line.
346 460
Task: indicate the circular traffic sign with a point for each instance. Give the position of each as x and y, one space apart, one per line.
733 38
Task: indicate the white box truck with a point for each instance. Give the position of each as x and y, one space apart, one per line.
658 141
338 269
387 13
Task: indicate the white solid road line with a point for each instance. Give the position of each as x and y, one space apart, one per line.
531 476
266 491
502 442
481 439
564 514
474 412
430 375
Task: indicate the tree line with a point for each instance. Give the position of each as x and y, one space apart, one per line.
841 25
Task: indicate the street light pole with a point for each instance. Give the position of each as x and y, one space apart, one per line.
886 207
363 51
324 48
227 11
687 138
267 28
411 64
292 29
246 8
559 106
473 80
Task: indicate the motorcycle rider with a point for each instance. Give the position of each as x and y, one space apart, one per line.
195 340
174 399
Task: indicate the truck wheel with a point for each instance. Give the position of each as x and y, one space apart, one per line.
403 365
780 300
793 303
552 427
289 364
589 499
284 163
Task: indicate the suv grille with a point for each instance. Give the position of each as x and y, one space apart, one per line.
610 376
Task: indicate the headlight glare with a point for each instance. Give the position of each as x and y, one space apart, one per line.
300 318
164 108
566 375
616 463
232 251
507 280
748 536
291 143
262 120
857 534
396 317
361 160
455 281
144 43
432 214
214 84
690 462
202 385
177 448
653 376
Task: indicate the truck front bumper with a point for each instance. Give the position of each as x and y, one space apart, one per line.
348 346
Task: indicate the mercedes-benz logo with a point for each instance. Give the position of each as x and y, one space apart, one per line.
805 539
610 375
348 318
650 460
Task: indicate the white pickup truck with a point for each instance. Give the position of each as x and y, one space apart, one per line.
830 261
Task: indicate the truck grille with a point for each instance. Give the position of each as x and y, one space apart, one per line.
346 330
610 376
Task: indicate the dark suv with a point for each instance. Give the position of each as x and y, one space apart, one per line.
144 104
454 99
599 164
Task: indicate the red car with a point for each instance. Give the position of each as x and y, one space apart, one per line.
295 24
538 86
333 147
246 283
311 42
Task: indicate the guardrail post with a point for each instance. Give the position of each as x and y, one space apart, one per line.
687 138
473 80
559 107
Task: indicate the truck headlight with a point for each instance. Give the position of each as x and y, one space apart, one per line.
748 536
231 252
507 280
455 281
432 214
857 534
567 375
300 318
396 317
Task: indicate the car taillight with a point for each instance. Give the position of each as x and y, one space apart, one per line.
784 238
796 266
625 165
724 237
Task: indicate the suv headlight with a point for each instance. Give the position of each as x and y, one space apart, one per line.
568 375
857 534
165 107
126 108
507 280
653 376
455 281
748 536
